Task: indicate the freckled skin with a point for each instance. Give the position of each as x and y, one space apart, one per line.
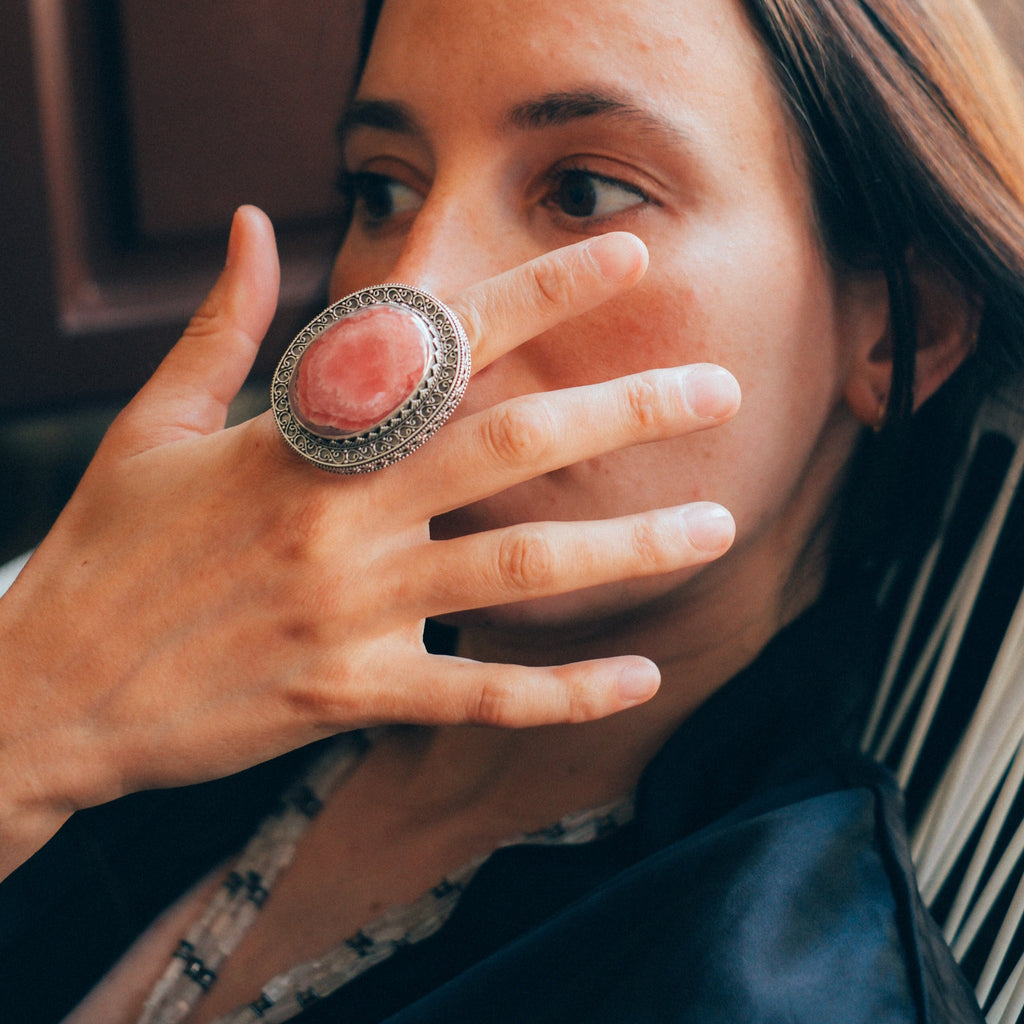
737 275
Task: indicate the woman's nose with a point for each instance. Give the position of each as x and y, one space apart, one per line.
452 244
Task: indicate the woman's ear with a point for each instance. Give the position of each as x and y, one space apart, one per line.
947 316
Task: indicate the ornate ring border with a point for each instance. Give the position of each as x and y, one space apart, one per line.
416 420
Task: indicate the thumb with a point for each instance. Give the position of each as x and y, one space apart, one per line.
192 388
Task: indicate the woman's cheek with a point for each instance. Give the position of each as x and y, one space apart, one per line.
650 327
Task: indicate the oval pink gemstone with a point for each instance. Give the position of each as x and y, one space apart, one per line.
358 372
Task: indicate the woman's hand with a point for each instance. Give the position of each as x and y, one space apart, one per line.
207 600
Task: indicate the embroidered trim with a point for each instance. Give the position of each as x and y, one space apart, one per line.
220 930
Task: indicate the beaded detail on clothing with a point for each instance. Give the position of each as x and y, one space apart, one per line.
218 932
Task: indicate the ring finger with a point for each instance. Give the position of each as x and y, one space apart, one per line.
536 560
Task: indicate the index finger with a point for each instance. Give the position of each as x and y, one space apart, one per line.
504 311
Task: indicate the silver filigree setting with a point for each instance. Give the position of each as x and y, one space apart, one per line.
414 422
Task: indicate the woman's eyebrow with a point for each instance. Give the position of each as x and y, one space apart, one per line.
547 111
385 115
559 108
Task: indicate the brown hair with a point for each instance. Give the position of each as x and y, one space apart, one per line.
913 121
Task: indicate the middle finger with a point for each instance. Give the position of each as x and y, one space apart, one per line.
528 436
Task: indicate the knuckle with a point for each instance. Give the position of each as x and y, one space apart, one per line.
300 533
517 432
526 561
579 709
643 403
472 321
552 284
206 321
301 630
318 704
649 545
580 704
330 690
492 705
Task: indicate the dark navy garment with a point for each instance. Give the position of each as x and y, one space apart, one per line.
765 878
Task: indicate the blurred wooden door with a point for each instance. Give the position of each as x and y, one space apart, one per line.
129 132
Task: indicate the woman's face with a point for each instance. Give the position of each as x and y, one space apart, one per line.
486 133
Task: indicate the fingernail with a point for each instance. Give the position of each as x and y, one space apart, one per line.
234 238
638 681
710 392
709 526
618 255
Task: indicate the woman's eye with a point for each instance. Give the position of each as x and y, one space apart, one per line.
378 197
584 194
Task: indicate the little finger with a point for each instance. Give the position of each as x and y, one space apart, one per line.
514 696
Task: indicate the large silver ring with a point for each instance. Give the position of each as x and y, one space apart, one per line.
371 378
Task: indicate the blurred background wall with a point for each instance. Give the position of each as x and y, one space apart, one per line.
129 133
